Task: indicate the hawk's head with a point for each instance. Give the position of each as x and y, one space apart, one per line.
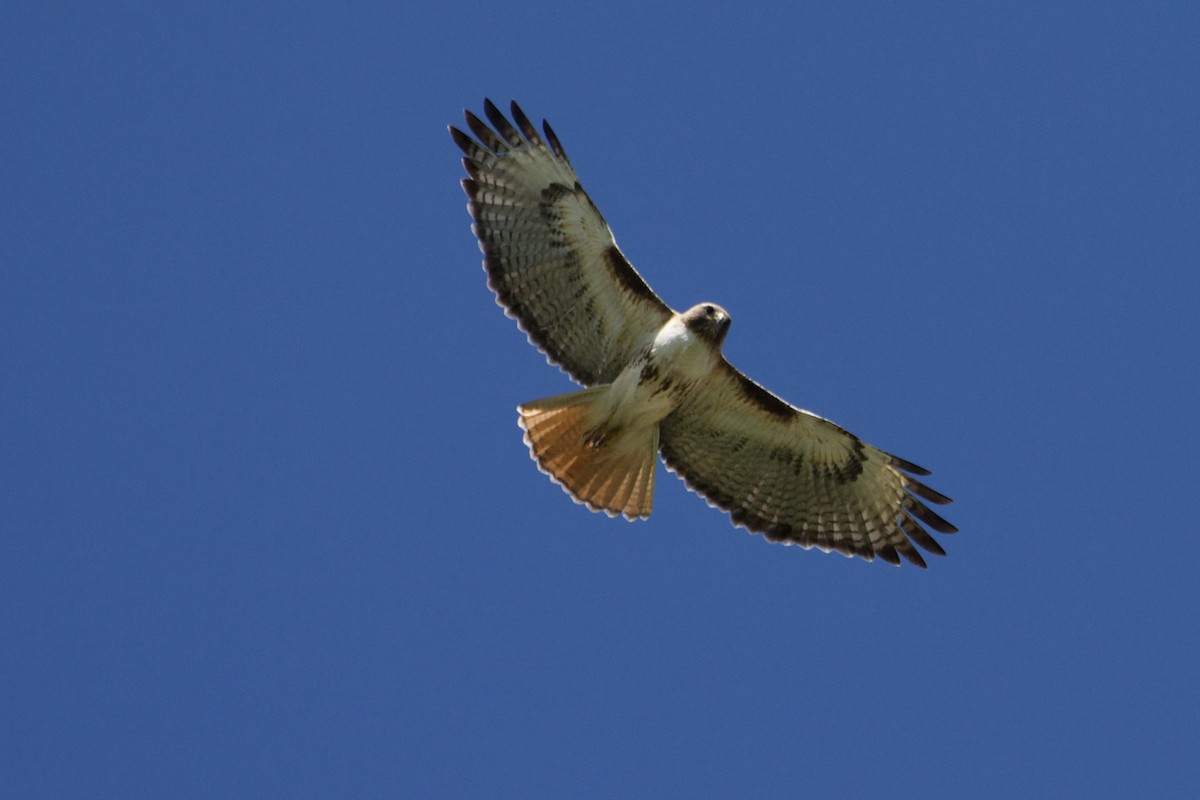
709 322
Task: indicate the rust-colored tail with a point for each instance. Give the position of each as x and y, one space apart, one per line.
609 471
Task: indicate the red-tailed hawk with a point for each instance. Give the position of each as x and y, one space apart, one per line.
657 379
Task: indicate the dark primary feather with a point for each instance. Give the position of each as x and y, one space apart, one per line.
482 132
555 146
526 126
502 125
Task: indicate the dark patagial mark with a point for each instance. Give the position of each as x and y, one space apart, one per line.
627 276
760 397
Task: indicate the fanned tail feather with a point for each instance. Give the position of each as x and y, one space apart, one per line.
610 471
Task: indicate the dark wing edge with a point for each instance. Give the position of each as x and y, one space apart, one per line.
643 310
903 524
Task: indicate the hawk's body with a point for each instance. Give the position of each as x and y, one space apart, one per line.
657 378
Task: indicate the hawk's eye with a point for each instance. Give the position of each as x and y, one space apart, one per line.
709 311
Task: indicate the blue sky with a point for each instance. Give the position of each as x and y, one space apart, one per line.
267 524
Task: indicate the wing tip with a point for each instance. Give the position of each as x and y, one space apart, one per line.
506 136
924 492
906 465
907 531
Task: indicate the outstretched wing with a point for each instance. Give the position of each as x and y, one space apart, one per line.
550 257
797 478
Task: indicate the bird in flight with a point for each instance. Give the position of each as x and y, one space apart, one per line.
656 379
